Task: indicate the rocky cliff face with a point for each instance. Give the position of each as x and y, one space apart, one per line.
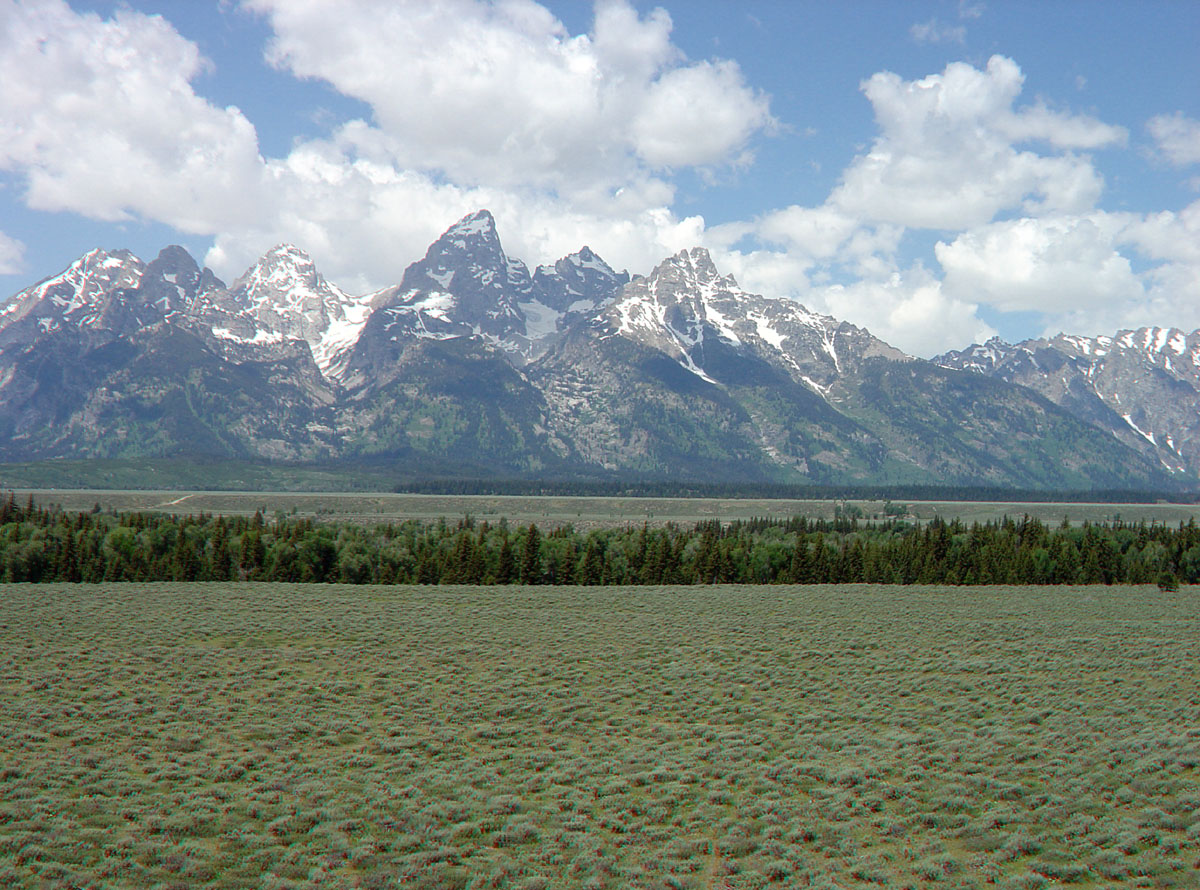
472 365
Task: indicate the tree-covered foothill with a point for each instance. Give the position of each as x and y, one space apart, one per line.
39 544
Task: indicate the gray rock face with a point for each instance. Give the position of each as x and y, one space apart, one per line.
81 297
1141 386
577 282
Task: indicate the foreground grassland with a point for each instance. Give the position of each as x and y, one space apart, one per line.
252 735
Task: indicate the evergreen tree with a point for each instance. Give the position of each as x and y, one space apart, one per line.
530 569
219 560
506 565
591 570
185 564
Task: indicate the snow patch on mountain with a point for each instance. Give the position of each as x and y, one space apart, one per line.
540 320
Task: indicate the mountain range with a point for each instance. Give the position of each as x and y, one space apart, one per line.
475 366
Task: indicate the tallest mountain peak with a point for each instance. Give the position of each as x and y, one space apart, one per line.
479 223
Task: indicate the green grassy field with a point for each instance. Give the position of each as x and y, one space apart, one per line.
732 737
583 512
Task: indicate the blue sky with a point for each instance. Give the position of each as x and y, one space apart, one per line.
935 171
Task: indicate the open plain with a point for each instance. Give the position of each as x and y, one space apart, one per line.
252 735
550 511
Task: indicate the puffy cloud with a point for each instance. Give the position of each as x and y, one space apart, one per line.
1172 299
1046 265
1171 294
1170 236
946 156
100 117
697 115
12 253
566 139
1177 137
1038 123
774 273
909 309
1080 273
817 232
502 94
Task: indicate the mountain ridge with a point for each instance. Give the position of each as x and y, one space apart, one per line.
473 363
1140 385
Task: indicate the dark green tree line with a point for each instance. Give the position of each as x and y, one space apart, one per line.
39 544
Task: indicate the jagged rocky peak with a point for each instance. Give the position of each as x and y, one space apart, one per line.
466 281
284 297
174 281
682 296
1158 345
1140 385
689 310
692 270
578 282
982 358
282 270
468 259
467 286
480 224
77 295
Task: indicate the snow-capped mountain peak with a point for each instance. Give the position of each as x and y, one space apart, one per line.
467 257
689 310
283 275
76 296
692 270
284 297
579 282
465 284
478 225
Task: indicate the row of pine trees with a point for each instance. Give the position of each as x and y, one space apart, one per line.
39 544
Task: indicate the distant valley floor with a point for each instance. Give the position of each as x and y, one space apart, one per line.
583 512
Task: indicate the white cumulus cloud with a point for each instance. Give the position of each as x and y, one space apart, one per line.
100 118
502 94
1177 137
1052 264
947 154
909 309
1168 235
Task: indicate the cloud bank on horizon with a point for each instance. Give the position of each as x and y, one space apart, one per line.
574 138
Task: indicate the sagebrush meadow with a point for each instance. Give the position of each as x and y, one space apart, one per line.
230 735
